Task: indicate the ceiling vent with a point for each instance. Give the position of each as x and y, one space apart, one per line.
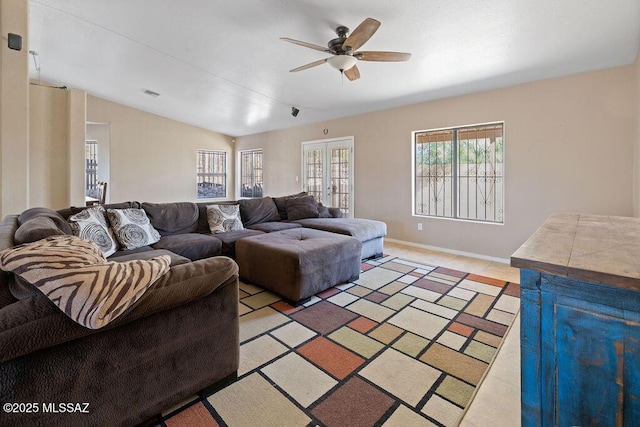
151 93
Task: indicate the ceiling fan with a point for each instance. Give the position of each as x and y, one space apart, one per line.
344 50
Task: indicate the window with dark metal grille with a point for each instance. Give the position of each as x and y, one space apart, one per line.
459 173
211 174
91 169
251 173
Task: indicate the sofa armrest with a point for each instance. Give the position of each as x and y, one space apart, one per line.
36 323
184 283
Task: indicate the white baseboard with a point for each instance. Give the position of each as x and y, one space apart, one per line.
449 251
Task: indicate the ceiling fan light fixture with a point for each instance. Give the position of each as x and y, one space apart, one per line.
342 62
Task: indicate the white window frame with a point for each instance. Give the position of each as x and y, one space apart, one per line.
240 171
455 192
211 173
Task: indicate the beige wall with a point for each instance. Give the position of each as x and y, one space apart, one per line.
14 105
569 146
48 147
153 158
77 128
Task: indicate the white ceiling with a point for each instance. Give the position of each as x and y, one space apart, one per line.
219 64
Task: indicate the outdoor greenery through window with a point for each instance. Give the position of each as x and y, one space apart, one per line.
459 173
211 175
251 173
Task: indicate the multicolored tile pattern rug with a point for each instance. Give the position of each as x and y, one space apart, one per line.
406 344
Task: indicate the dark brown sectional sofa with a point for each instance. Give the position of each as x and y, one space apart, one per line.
179 338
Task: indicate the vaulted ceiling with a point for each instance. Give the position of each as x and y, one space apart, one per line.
220 65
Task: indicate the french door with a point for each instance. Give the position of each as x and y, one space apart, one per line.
327 171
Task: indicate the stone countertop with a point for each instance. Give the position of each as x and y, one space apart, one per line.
594 248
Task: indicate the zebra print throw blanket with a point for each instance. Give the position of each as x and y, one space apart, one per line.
77 278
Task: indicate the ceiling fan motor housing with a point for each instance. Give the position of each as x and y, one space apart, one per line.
335 45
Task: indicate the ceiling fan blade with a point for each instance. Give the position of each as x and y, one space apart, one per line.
305 44
361 34
382 56
352 73
309 65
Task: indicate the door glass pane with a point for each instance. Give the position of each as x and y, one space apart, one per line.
340 187
314 167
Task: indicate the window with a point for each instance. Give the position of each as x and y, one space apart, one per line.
251 173
459 173
91 168
211 174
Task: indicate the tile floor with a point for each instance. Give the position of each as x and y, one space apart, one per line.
497 401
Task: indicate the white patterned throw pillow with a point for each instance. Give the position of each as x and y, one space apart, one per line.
132 228
223 218
91 224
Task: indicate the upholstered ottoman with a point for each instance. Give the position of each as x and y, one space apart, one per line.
300 262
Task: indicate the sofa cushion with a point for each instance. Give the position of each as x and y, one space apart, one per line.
229 240
270 227
132 227
172 218
255 211
91 224
324 212
223 218
302 207
36 229
59 220
122 252
281 203
123 256
335 213
362 229
191 245
75 276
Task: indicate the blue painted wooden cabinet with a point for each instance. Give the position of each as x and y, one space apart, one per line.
580 322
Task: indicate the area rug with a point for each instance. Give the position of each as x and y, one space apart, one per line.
406 344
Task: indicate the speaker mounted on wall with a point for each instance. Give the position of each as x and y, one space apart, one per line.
15 41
